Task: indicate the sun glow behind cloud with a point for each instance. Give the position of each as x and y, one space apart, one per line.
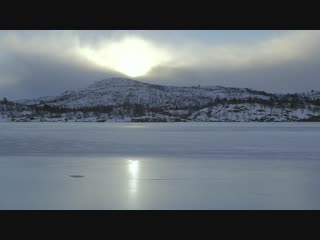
135 55
47 62
132 56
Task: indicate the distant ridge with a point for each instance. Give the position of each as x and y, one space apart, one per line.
128 100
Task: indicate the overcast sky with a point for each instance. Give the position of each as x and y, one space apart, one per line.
44 63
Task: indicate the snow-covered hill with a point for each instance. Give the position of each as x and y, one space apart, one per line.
119 99
255 112
119 91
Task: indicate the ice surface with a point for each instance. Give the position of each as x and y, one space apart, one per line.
159 165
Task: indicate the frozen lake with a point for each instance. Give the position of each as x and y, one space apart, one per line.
159 165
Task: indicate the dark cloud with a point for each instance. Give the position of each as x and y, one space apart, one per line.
292 77
288 63
47 77
44 63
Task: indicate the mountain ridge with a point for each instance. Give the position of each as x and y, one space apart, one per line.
125 98
132 88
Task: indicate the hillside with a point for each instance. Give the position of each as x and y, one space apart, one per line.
119 99
118 91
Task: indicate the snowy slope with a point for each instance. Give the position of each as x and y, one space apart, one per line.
129 100
118 91
254 112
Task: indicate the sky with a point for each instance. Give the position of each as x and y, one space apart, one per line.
46 63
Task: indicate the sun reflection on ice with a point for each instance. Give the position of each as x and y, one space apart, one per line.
133 169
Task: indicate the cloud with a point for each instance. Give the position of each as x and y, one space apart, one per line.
38 63
44 64
288 62
133 56
292 46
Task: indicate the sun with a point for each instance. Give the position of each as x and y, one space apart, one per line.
131 56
